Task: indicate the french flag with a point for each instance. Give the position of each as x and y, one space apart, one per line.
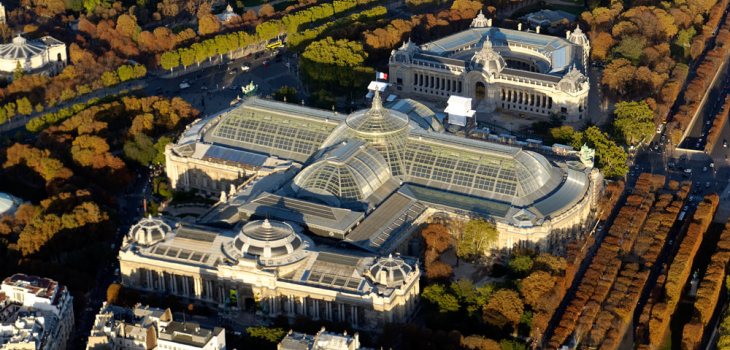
381 75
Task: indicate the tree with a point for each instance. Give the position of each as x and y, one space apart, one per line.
170 60
610 157
437 237
187 57
24 106
520 265
127 26
634 121
504 308
18 72
438 295
552 264
160 148
567 136
112 293
266 10
535 286
208 24
600 45
631 47
477 342
477 237
140 149
271 335
286 93
109 78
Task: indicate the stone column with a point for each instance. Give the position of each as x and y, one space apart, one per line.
328 310
341 308
353 315
198 286
303 306
161 278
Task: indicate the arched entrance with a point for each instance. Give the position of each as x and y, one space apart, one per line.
480 91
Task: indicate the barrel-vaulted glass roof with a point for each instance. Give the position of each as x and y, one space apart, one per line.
518 177
274 128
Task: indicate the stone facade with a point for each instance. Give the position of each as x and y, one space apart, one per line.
35 314
46 55
274 286
500 69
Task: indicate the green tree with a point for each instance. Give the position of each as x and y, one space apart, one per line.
140 71
634 121
473 297
335 63
125 72
187 57
631 47
610 157
437 294
18 72
170 60
109 78
140 149
477 237
160 148
507 344
567 135
271 335
520 265
286 93
683 41
24 106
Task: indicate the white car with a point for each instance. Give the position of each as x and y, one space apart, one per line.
688 171
245 68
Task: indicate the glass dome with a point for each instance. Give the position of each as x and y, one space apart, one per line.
350 172
377 120
266 239
390 272
384 129
149 231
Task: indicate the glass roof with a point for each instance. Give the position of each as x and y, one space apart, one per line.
377 119
272 132
350 172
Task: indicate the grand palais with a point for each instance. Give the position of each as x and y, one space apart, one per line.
317 210
503 70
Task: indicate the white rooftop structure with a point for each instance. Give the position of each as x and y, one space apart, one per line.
35 313
8 203
459 110
227 15
45 55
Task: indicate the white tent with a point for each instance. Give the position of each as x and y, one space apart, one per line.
458 110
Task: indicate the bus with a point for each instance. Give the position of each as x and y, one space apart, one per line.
275 44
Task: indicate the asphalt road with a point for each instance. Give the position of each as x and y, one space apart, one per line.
697 137
212 89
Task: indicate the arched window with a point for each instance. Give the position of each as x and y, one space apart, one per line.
480 90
